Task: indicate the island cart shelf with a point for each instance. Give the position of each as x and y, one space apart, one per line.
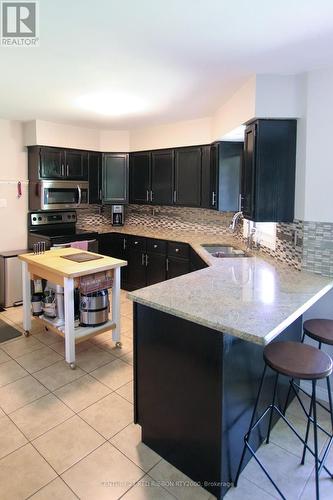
66 273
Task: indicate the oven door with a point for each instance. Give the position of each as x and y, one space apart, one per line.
63 194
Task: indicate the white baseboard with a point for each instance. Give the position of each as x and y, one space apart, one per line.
321 391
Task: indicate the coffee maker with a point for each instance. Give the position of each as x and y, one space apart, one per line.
118 215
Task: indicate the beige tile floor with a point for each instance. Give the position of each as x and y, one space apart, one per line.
68 434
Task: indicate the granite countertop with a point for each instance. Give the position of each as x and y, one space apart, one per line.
253 298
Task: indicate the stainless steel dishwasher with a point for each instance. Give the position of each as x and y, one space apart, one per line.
10 278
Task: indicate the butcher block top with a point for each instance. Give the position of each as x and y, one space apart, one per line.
53 261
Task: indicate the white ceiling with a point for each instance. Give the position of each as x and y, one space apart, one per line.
180 59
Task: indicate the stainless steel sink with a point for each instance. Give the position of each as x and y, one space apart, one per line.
223 251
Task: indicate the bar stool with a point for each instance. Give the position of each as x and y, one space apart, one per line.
296 361
320 330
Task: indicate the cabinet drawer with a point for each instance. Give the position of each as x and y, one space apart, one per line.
137 243
180 250
157 246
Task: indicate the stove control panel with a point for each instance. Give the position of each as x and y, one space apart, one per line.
46 218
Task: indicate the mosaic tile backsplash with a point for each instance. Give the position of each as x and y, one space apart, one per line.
302 245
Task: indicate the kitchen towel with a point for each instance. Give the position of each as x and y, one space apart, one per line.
81 245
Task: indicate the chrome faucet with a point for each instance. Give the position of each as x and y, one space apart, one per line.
236 218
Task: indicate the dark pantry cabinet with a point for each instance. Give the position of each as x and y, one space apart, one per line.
268 177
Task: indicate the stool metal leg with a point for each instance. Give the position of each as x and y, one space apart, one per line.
247 436
291 381
315 436
272 408
307 432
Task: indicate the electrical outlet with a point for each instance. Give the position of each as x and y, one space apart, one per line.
3 203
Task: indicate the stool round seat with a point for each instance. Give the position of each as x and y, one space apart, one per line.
296 360
320 330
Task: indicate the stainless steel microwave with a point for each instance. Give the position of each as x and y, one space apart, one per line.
54 195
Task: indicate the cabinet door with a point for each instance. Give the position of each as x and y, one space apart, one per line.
95 177
156 268
188 177
230 166
136 269
162 171
140 191
196 262
115 178
209 176
51 163
76 165
248 173
177 267
115 245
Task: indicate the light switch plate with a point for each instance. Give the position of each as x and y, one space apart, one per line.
3 203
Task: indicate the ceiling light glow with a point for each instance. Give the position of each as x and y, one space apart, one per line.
111 103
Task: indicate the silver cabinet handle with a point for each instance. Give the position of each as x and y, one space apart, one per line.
213 198
177 250
155 246
167 264
143 259
151 195
136 243
80 195
62 170
100 195
175 196
146 260
124 243
147 195
67 170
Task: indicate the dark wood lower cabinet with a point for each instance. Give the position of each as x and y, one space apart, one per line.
136 270
194 391
177 267
156 268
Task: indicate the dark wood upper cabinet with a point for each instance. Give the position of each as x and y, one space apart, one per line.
57 163
76 165
209 176
230 161
188 176
268 178
95 177
115 178
51 164
140 177
162 174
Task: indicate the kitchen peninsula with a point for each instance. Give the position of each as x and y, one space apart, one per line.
198 344
55 267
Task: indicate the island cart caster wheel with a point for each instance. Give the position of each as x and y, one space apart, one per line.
26 333
119 345
72 366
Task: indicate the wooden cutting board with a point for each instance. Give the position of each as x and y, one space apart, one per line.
81 257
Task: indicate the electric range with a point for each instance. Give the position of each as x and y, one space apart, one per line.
58 228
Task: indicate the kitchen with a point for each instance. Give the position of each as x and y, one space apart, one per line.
199 190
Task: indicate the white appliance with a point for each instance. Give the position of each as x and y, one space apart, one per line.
10 278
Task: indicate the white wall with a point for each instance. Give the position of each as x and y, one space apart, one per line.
61 135
277 96
183 133
13 168
240 108
319 170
